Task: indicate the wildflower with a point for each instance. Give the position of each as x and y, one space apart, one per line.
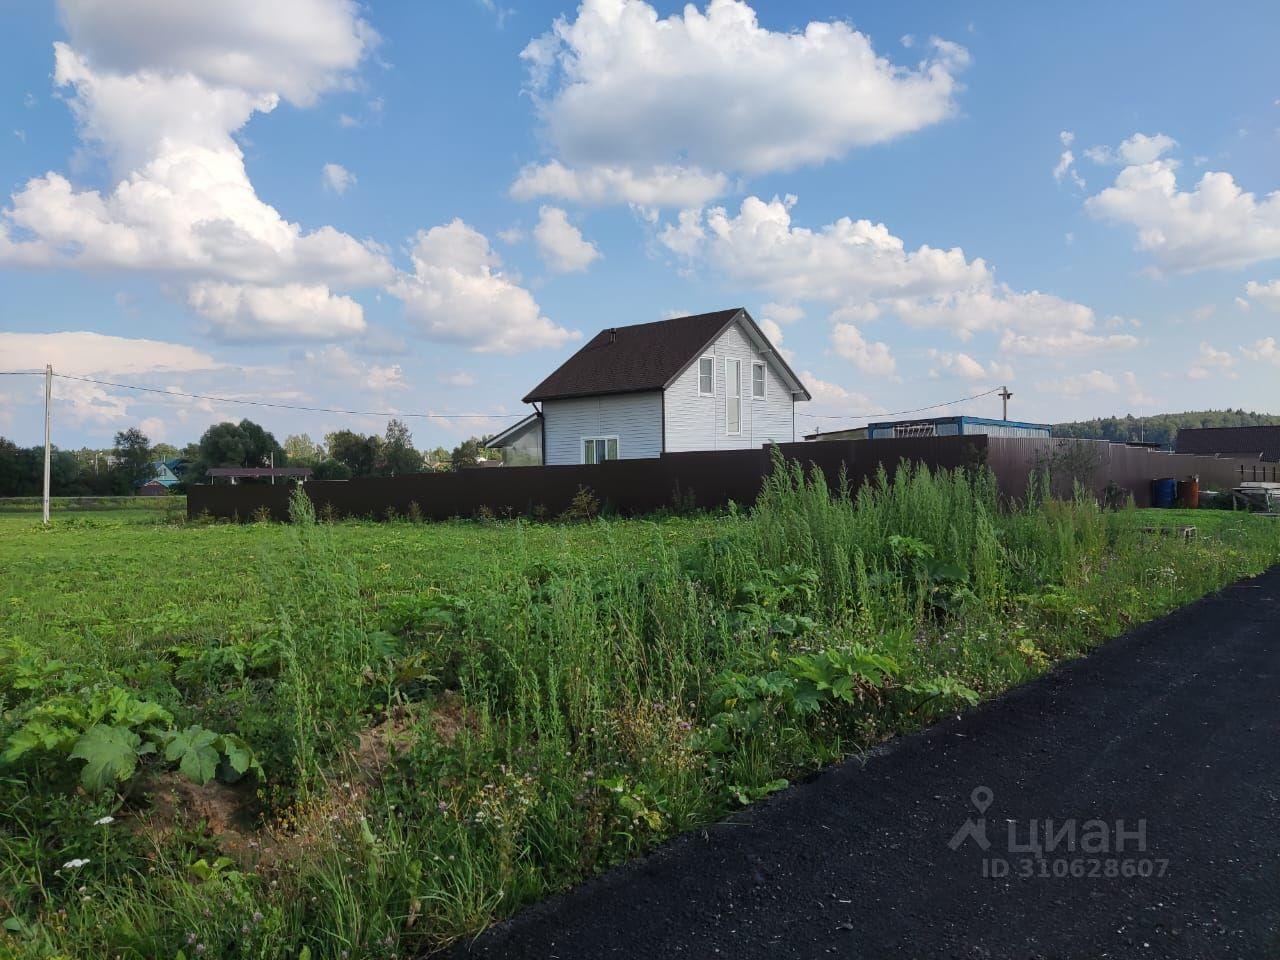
257 917
75 864
442 806
191 938
200 948
103 821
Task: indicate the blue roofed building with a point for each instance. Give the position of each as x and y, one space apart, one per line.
955 427
165 479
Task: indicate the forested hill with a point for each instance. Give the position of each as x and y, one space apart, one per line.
1160 427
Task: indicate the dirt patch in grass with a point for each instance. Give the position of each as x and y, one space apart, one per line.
178 803
379 745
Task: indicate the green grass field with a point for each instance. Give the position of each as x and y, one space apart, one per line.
368 740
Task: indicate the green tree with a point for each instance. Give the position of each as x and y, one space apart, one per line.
467 453
398 454
331 469
13 480
164 451
243 444
360 454
302 450
437 459
1161 428
133 457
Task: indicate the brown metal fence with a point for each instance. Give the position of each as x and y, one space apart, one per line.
714 478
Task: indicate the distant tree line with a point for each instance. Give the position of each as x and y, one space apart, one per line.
1160 428
130 462
78 473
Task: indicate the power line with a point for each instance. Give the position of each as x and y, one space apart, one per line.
889 413
258 403
446 416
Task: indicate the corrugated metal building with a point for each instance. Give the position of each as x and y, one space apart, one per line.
1261 441
953 427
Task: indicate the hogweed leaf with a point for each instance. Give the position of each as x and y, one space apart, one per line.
110 755
196 750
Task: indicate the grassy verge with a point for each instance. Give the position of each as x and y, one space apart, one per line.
32 505
319 744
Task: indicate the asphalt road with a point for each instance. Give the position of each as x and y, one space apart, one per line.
1176 724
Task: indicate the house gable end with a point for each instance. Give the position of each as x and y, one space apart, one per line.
762 343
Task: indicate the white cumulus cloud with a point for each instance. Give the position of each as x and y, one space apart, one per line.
619 87
1214 224
81 353
870 357
1140 148
337 178
659 186
298 48
1068 343
294 311
1264 294
832 399
561 244
1211 362
458 293
162 103
334 363
857 265
965 366
1094 381
1265 349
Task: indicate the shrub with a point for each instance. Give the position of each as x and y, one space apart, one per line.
583 507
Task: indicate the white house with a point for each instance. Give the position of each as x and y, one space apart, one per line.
706 382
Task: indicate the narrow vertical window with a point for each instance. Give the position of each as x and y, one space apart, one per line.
707 376
757 381
733 396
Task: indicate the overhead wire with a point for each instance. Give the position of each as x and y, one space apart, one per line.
439 416
258 403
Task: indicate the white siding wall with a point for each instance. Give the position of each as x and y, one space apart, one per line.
700 423
634 418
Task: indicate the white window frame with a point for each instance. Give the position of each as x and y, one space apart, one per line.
712 392
764 380
730 396
582 447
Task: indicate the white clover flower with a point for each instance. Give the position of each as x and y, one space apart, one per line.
103 821
75 864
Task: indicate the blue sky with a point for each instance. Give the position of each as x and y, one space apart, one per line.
424 208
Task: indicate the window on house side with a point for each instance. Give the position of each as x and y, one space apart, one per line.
757 381
707 376
733 396
599 449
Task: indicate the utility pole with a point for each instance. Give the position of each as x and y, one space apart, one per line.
48 391
1004 395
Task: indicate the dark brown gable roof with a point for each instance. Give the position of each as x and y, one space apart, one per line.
646 356
1230 441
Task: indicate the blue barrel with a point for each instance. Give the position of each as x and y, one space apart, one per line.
1164 492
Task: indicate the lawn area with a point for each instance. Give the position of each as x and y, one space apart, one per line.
130 579
369 740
